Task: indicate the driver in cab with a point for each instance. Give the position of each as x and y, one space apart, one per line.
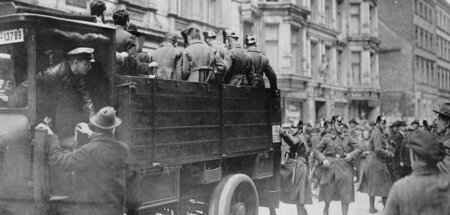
69 74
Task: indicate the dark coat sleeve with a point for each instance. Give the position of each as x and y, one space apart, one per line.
72 161
382 150
320 148
81 88
270 74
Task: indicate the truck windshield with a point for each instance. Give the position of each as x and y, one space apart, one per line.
13 72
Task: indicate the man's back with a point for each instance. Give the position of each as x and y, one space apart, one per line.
167 57
125 42
198 56
240 66
98 170
262 67
425 192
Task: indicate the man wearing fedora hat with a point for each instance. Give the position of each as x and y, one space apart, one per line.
98 166
443 129
427 190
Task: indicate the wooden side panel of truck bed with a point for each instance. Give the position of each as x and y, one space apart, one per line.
176 122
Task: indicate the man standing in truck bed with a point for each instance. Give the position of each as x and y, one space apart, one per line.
198 60
260 64
239 64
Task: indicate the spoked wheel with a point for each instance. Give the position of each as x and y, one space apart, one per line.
234 195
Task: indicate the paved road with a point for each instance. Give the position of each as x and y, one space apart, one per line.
359 207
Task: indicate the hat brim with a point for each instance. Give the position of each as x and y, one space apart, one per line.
116 124
448 115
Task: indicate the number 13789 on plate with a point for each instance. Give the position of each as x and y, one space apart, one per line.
11 36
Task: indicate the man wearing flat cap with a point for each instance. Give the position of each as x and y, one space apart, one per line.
427 190
98 166
239 64
443 129
59 79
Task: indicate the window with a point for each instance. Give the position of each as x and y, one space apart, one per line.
421 37
314 10
339 16
328 16
418 68
77 3
356 67
272 43
416 35
415 6
314 58
295 49
339 74
355 19
13 75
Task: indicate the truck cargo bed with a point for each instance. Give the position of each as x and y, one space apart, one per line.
176 122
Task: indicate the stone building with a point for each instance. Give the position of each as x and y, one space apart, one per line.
325 52
326 56
414 57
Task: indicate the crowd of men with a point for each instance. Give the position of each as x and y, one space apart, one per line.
371 157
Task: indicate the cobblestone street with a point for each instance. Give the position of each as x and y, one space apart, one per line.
359 207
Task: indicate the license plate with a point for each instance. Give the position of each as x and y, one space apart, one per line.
11 36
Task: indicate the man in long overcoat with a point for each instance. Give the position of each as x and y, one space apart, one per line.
98 166
167 57
239 64
198 60
376 179
335 154
260 64
427 190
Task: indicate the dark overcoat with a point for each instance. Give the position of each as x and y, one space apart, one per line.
444 166
262 67
239 64
295 184
425 192
376 179
167 58
98 169
336 181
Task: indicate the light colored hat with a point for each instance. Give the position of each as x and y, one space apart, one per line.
105 118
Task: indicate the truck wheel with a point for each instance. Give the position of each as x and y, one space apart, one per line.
234 195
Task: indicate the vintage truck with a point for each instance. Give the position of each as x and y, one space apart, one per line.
195 148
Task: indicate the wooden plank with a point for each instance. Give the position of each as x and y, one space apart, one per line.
187 118
143 101
236 145
177 102
198 150
141 119
247 130
188 133
241 117
245 104
140 155
142 137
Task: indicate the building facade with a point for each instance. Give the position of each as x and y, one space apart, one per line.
414 57
325 52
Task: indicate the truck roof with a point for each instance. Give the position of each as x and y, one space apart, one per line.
11 11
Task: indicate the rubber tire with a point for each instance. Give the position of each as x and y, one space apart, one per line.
221 197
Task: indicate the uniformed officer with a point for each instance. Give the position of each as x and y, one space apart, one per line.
295 187
260 64
335 153
239 64
443 129
198 60
69 74
210 39
167 57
